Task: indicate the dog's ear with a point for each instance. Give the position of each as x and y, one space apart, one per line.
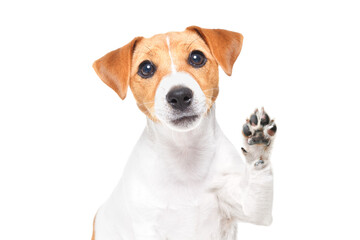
224 45
114 68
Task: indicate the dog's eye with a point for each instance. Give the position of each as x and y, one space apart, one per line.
146 69
197 59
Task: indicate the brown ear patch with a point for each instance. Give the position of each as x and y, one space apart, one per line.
114 68
224 45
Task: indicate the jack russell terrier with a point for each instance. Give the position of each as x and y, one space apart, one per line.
184 179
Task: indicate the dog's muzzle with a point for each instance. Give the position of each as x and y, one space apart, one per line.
179 101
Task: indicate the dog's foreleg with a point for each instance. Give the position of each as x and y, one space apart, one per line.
257 194
247 194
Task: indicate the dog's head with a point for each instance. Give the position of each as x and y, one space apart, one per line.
174 76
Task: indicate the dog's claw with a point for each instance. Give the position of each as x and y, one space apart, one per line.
244 151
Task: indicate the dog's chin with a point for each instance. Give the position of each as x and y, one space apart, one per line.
184 123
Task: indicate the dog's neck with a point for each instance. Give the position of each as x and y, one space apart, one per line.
185 154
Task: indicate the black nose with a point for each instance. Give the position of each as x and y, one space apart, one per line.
179 98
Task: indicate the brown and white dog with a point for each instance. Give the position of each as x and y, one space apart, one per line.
184 179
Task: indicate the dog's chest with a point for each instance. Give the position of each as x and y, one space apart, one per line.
188 222
182 213
168 190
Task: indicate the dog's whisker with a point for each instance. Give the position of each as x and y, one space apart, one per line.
145 103
209 96
210 89
150 112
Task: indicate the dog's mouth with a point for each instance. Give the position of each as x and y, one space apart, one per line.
185 120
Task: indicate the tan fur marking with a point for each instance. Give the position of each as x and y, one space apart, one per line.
155 50
119 68
93 234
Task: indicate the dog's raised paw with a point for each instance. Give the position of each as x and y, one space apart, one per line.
259 132
259 129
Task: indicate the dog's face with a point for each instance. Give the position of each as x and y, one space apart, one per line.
174 76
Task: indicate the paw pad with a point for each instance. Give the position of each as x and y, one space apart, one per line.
264 119
254 120
260 164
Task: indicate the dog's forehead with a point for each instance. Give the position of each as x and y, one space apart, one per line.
162 41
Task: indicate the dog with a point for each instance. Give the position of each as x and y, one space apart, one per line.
184 179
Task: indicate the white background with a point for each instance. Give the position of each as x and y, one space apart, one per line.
65 136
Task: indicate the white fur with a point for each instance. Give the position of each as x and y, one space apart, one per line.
173 67
183 186
185 182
